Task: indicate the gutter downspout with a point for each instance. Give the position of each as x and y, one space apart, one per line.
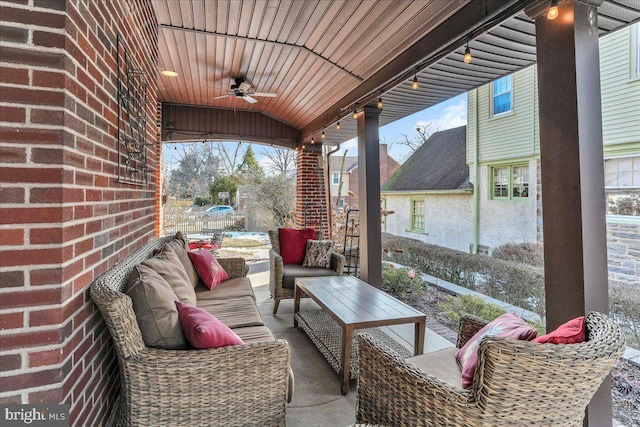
327 184
476 189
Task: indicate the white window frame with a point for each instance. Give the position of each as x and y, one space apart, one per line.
493 96
335 178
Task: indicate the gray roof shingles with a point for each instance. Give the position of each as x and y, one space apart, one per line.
439 164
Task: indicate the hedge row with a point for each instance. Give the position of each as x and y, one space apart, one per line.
514 283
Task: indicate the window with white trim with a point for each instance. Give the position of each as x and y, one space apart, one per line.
341 203
510 182
622 186
502 99
417 214
335 178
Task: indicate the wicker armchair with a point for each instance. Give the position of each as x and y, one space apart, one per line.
515 383
230 386
281 276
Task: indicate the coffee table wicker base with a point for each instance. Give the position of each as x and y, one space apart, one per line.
326 334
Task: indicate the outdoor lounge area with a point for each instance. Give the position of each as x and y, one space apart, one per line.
90 91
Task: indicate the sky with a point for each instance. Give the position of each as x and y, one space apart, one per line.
446 115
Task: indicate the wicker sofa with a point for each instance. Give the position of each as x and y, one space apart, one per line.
515 383
281 276
232 386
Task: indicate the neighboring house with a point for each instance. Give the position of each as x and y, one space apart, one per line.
503 154
349 194
430 194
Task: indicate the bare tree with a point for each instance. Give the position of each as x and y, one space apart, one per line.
416 142
281 161
197 167
275 196
229 158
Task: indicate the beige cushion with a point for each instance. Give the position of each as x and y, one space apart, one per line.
179 245
441 364
167 265
155 308
232 288
235 313
254 334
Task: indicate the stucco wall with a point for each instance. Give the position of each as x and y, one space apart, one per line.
506 221
448 218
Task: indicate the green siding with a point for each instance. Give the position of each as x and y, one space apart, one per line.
620 92
518 135
512 135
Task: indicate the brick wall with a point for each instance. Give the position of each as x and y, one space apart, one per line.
310 190
64 218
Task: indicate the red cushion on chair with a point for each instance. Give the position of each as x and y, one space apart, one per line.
209 269
203 330
572 332
293 244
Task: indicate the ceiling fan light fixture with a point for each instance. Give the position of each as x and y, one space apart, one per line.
169 73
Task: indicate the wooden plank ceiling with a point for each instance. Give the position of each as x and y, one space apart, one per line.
310 53
313 53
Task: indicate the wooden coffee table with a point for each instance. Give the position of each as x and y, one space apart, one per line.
354 304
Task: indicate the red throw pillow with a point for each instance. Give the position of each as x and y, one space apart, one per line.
572 332
203 330
293 244
209 269
506 326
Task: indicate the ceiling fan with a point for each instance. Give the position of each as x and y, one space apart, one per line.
242 89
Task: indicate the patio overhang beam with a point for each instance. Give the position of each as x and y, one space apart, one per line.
469 21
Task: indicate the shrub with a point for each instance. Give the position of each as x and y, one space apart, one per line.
518 284
202 201
454 307
398 281
624 305
525 253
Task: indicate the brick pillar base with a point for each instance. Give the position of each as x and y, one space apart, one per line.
311 210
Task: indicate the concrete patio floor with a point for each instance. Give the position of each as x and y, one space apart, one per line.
317 401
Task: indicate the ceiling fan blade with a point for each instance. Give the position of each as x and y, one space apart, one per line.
265 94
220 97
249 99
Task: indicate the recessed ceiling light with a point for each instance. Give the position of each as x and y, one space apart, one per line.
169 73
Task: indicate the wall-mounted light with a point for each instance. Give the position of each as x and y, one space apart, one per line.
338 125
415 84
380 102
169 73
553 10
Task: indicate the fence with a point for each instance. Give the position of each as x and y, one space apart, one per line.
196 225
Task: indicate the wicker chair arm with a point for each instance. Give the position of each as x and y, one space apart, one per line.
275 273
391 391
469 326
338 262
178 385
235 267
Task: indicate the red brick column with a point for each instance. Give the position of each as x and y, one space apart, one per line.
310 190
64 217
